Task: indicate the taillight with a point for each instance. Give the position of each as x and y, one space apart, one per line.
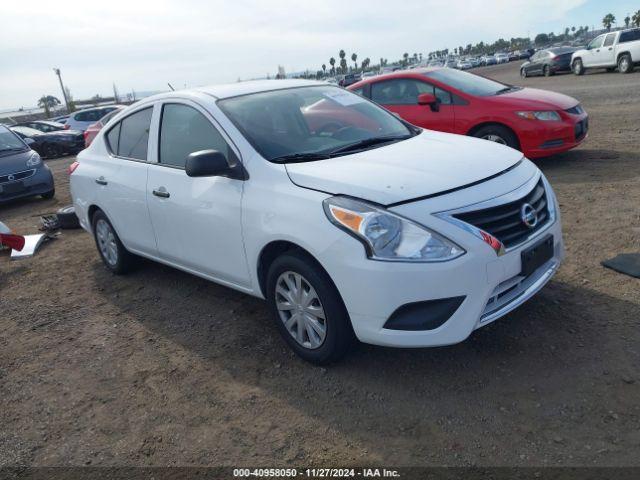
67 126
72 167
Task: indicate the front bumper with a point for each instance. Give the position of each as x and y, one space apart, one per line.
491 286
38 182
543 139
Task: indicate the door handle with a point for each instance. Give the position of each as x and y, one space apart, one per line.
101 181
161 193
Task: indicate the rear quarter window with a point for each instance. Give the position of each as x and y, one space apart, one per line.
129 138
629 36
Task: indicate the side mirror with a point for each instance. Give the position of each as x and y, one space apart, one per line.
29 141
212 163
429 99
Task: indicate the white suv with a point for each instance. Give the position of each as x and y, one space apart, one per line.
616 49
347 220
81 119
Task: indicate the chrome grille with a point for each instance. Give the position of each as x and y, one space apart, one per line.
505 221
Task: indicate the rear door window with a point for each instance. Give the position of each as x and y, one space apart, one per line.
403 91
129 138
608 41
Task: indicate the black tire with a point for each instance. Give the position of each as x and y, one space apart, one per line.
49 195
339 333
546 71
507 137
52 151
577 67
67 218
625 65
125 260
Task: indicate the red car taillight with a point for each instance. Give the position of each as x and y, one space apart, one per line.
72 167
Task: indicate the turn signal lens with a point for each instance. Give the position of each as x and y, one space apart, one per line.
347 218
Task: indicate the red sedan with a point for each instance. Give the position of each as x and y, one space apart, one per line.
537 122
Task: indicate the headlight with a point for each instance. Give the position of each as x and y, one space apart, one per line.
34 160
387 236
547 115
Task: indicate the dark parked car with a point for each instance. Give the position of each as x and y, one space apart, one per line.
22 173
350 79
548 62
52 144
45 126
61 119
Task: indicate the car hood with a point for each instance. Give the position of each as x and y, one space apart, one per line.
15 162
427 164
534 98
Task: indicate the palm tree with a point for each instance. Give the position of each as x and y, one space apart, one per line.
48 102
354 57
573 31
332 62
636 19
343 65
627 21
608 20
566 32
324 69
365 63
405 55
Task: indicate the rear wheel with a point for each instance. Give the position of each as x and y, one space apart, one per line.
52 151
523 72
113 254
308 309
498 134
547 71
577 66
625 65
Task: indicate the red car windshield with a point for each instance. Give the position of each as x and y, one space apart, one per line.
468 83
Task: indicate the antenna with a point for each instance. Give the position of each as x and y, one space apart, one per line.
171 87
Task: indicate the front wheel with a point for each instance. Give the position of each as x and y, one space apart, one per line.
49 195
498 134
547 71
577 66
625 65
523 73
308 309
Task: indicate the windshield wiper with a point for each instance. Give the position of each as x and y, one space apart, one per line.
367 142
300 157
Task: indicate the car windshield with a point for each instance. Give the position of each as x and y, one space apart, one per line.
468 82
312 123
9 142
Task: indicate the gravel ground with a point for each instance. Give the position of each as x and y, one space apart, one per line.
163 368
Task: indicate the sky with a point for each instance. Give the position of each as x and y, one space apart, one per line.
141 45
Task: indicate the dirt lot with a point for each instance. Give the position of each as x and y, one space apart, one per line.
162 368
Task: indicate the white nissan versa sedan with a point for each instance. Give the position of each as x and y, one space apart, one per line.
347 220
